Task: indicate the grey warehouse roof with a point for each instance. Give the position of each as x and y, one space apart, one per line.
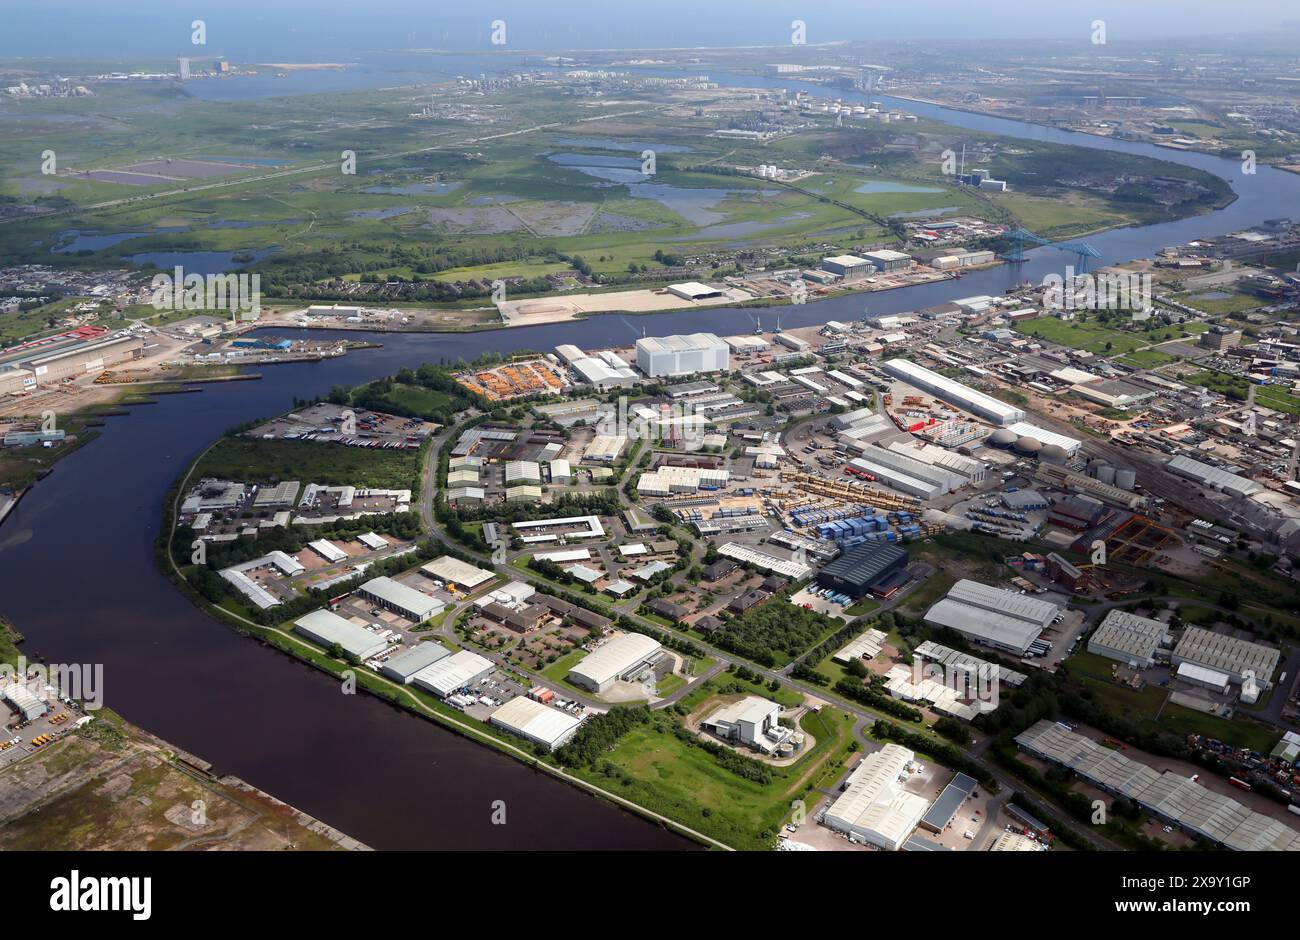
864 564
408 663
1216 477
992 615
1227 654
1170 795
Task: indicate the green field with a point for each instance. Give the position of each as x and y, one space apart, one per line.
488 272
1058 218
1142 707
1101 338
929 591
829 667
788 697
440 206
257 461
656 769
415 400
557 671
1237 387
669 684
864 606
1146 358
1235 302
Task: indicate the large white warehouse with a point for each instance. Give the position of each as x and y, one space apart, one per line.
911 466
964 397
874 808
535 722
891 477
968 469
414 605
619 657
328 628
453 672
1234 484
406 664
682 354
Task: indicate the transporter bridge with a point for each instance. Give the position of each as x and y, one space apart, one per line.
1083 252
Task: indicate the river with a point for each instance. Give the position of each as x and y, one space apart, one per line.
77 573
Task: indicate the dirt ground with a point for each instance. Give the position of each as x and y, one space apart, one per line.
552 309
83 393
123 790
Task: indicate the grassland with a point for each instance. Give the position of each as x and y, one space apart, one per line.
1238 388
1101 338
782 696
863 606
1146 358
1235 302
440 211
1149 708
1056 218
258 461
662 772
412 399
558 671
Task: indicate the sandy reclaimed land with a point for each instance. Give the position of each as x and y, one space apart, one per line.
82 392
554 309
423 319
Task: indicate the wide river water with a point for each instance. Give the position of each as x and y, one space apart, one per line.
77 573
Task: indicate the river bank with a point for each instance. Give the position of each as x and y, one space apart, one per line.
83 548
406 697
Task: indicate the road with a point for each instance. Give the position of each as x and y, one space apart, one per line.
476 733
724 658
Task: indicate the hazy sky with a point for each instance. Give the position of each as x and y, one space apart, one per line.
306 30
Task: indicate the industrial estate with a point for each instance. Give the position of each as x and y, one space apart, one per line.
703 443
810 557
